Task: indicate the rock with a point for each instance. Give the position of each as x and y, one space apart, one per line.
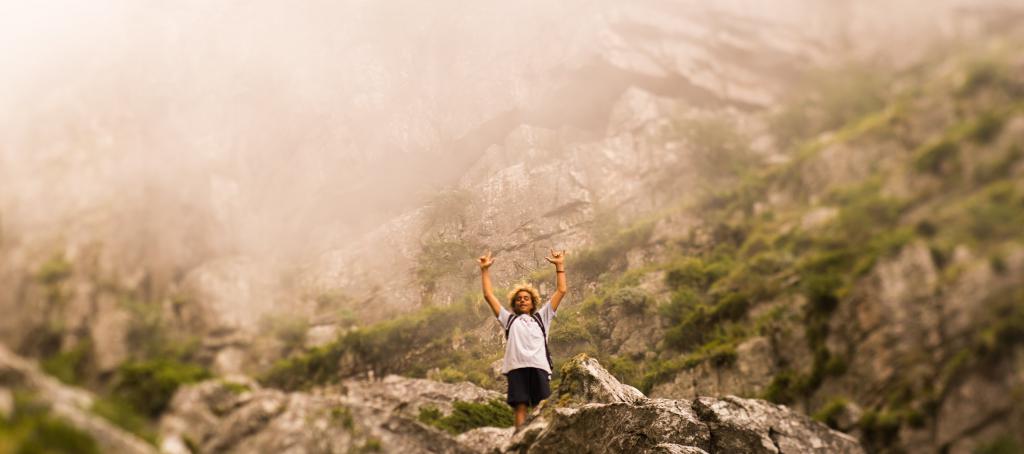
614 427
485 439
590 412
754 426
584 380
624 421
244 417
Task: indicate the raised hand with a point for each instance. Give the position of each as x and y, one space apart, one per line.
485 261
557 257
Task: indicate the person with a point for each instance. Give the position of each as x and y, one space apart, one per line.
527 362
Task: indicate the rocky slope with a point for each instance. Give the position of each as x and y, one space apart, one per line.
73 405
865 273
590 411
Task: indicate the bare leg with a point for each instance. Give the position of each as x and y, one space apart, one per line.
520 414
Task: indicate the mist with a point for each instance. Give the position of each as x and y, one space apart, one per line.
171 135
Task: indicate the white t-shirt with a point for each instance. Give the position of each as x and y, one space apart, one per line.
525 347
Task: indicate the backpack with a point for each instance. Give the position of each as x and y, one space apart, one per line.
543 332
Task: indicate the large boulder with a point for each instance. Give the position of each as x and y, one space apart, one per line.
592 412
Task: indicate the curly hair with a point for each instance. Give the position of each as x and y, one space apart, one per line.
534 294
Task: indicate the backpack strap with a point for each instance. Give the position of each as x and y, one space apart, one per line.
544 333
508 325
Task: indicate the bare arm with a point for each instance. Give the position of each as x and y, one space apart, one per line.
557 258
485 276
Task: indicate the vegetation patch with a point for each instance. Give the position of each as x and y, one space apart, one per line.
468 415
32 429
411 344
70 366
591 263
830 412
148 386
126 417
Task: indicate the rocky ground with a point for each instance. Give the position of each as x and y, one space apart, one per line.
589 412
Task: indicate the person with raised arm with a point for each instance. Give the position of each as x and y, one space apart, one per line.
527 362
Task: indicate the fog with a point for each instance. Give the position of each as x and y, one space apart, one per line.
179 132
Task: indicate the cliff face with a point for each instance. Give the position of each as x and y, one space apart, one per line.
866 274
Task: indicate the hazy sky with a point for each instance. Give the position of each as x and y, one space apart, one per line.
192 129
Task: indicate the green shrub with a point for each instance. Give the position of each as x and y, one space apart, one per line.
938 157
630 298
571 328
289 329
624 369
983 74
591 263
1004 444
986 128
148 386
370 445
996 213
343 416
880 428
988 172
383 347
830 412
31 429
54 271
70 366
698 321
468 415
821 291
688 273
783 389
125 417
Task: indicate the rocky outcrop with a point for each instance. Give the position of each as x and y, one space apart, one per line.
237 415
589 412
623 420
70 404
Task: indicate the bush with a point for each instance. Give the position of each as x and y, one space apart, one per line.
32 429
829 413
54 271
69 366
624 369
343 416
125 417
148 386
821 291
1005 444
630 298
986 128
289 329
468 415
880 428
783 388
688 273
996 213
593 262
383 347
938 158
698 322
